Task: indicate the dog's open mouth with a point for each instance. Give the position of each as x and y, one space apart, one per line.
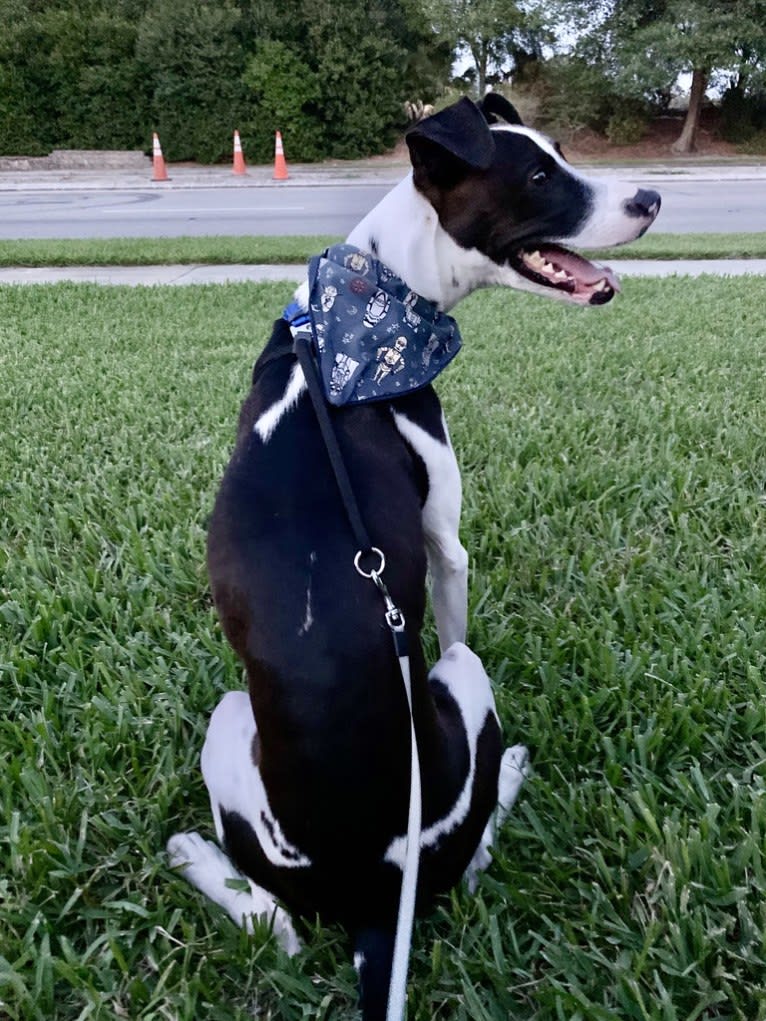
552 266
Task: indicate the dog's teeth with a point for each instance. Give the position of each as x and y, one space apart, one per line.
534 259
601 285
561 275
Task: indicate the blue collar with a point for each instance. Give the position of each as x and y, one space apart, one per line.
374 338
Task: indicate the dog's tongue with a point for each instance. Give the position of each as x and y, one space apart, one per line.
585 273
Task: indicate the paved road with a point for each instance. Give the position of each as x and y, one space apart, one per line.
689 205
203 211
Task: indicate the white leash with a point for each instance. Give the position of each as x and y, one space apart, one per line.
397 988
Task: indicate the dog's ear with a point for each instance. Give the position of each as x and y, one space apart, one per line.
496 108
448 145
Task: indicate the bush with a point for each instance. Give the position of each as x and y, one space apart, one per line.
743 114
570 95
282 99
192 54
626 126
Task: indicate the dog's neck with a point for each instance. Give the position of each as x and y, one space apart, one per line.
404 232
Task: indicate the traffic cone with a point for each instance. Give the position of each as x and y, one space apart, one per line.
160 171
239 159
280 167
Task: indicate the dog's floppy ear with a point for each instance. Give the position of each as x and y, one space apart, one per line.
496 107
448 145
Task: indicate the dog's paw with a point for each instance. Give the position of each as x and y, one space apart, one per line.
186 850
205 866
199 861
514 770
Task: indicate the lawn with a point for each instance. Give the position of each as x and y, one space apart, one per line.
252 249
614 464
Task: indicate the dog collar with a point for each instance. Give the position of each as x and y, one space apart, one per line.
374 338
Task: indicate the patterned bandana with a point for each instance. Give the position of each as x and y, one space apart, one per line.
374 337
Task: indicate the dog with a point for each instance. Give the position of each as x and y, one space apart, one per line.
308 772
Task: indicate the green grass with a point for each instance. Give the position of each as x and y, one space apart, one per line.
161 251
614 464
692 246
228 250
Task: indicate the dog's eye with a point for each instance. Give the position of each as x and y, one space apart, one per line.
539 177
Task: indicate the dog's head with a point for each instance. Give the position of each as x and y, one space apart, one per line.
506 191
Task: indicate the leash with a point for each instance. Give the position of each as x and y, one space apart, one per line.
300 325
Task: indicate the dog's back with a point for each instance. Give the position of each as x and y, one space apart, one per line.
311 633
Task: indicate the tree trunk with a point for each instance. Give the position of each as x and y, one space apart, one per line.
687 140
479 54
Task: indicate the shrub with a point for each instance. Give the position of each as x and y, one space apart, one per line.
626 126
284 96
192 55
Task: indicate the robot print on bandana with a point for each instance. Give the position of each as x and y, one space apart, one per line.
377 308
327 298
410 315
390 360
375 337
342 371
358 262
428 350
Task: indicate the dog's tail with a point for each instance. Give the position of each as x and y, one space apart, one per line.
373 955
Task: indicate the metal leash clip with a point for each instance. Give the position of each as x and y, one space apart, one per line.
394 616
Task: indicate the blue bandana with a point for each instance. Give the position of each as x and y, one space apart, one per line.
373 336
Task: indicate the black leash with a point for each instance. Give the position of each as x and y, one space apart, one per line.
301 328
302 348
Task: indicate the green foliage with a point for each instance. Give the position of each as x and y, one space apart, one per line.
282 100
106 73
361 87
193 55
627 124
499 35
641 48
571 93
338 86
743 114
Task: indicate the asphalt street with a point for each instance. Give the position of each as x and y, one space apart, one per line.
689 204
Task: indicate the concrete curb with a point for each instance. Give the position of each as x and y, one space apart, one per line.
152 276
310 175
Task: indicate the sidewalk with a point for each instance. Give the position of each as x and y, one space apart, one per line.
134 276
349 172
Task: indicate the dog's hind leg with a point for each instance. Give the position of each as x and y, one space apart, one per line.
230 770
513 772
206 866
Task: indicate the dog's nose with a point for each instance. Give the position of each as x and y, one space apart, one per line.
645 204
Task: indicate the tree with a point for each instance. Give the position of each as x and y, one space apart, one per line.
644 46
335 76
496 33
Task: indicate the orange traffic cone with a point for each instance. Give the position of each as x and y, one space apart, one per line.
239 159
160 171
280 167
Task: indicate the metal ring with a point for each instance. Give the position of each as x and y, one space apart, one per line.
361 553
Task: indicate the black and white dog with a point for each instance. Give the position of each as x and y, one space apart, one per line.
308 774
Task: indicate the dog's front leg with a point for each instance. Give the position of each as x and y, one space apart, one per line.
447 559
